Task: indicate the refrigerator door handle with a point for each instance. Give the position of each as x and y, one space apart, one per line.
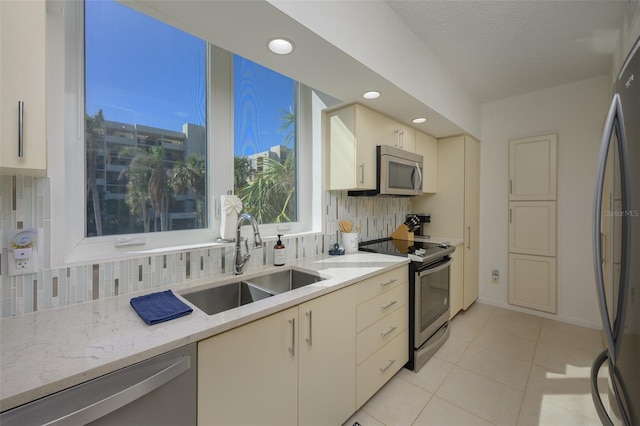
609 127
595 393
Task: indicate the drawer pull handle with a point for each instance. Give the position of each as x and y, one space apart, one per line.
385 368
393 302
309 339
391 281
292 349
391 330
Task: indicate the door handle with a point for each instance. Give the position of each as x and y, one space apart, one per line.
391 330
362 173
292 349
309 340
118 400
20 129
469 237
391 303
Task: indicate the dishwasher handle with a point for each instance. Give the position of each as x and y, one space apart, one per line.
120 399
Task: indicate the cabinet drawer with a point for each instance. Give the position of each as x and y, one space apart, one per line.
374 286
381 366
377 335
381 306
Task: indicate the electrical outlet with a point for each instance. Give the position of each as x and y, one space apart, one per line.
495 276
22 256
22 266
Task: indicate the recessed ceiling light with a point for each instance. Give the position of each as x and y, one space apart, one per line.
419 120
371 94
280 46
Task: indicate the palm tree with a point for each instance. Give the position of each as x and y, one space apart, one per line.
242 171
138 174
159 187
270 197
191 174
94 125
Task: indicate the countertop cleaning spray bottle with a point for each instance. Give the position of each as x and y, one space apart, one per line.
279 255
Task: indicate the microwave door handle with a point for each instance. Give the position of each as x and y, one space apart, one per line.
419 185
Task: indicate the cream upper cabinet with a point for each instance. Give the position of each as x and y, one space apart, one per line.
532 168
427 146
22 88
454 208
354 132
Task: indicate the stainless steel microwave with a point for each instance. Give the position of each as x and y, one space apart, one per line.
399 173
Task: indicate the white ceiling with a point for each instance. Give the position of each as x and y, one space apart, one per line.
502 48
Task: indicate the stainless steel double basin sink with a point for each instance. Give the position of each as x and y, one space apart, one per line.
221 298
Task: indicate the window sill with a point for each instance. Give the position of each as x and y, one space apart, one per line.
124 253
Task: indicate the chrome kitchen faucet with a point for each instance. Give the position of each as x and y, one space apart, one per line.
240 259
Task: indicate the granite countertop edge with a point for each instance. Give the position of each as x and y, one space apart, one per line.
45 352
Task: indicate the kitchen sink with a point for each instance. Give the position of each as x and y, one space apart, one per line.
222 298
282 281
218 299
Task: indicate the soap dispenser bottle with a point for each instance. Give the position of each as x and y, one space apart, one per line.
279 254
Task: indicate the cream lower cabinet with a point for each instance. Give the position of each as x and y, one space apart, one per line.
532 282
326 377
383 335
292 367
456 282
249 375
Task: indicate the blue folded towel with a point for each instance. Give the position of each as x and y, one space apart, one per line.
158 307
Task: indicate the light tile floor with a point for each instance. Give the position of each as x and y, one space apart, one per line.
499 367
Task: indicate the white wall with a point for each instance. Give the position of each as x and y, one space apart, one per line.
576 113
395 53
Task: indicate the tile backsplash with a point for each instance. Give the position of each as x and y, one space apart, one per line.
24 203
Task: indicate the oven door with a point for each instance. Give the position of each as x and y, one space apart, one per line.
431 299
399 176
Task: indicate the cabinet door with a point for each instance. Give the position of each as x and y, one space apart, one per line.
471 220
532 168
532 227
371 127
342 149
456 285
532 282
22 79
427 146
249 375
327 372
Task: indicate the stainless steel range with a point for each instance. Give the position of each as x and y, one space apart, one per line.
429 277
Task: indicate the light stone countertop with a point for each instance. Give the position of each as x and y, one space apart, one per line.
45 352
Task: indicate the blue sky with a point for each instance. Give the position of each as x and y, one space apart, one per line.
141 71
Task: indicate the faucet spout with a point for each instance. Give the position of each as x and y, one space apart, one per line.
241 259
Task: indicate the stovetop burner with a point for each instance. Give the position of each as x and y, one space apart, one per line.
432 251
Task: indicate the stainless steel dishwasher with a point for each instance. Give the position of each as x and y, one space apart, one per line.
158 391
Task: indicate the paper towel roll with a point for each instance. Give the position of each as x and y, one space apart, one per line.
231 206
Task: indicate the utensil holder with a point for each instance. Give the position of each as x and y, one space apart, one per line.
350 242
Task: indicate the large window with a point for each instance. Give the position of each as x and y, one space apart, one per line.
264 142
145 123
148 149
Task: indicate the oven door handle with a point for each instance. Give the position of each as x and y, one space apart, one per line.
436 268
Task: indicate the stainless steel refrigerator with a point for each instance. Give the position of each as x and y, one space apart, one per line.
617 250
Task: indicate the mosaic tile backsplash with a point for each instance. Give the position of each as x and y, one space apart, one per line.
24 203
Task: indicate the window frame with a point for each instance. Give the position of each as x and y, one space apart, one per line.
68 242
